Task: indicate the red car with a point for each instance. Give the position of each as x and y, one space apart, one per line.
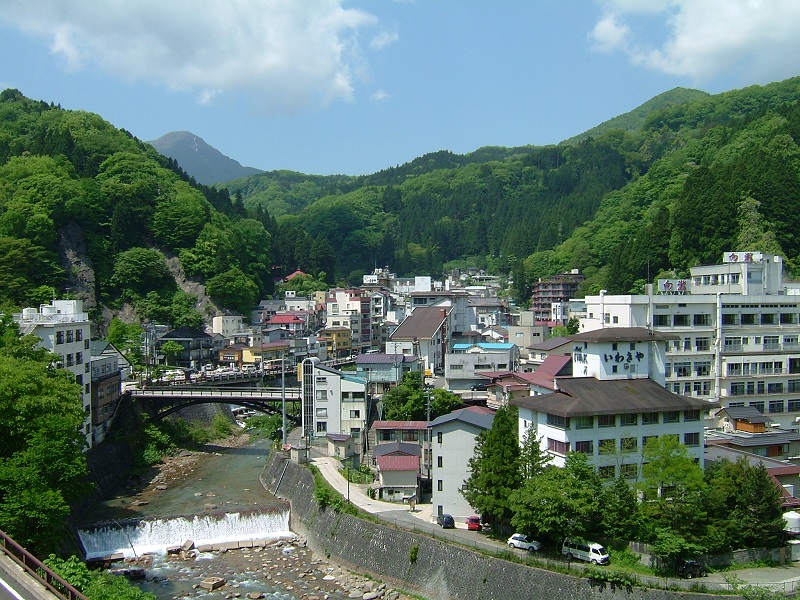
474 523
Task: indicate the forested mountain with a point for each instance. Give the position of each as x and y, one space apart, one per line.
206 164
91 208
658 196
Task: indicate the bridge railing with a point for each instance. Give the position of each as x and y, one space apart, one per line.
292 392
38 570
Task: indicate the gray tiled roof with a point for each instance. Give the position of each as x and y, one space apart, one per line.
624 334
423 323
585 396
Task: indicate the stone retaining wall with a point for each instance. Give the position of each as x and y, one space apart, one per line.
441 571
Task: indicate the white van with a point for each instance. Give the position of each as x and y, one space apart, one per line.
583 550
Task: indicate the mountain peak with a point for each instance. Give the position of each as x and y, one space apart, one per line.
200 160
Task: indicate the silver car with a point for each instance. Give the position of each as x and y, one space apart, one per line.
521 541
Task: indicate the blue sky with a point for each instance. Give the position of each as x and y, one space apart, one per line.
352 87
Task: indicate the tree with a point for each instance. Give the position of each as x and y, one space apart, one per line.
560 501
41 459
532 459
171 349
621 513
672 486
494 467
139 271
233 289
410 400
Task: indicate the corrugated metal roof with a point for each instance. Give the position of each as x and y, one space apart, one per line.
398 463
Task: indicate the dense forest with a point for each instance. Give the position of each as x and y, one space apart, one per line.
90 210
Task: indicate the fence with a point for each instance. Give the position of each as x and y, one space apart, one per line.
38 570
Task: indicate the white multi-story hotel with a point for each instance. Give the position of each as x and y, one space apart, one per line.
737 328
64 329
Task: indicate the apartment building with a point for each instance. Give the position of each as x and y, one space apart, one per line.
351 308
549 295
736 328
332 401
64 329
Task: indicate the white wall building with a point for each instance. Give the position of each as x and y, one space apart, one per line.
332 401
737 333
64 329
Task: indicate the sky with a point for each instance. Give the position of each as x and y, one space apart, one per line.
352 87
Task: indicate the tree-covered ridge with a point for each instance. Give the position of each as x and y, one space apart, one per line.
608 204
73 185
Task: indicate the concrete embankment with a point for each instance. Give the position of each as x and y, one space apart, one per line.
421 564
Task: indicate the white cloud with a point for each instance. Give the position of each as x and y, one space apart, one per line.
758 41
383 39
379 95
283 55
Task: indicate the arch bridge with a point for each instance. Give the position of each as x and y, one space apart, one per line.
159 403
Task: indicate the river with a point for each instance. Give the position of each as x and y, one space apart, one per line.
222 486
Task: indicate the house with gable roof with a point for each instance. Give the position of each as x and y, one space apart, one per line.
452 445
745 428
467 363
424 334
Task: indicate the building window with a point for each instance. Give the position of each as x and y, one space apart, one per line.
650 418
701 320
794 405
628 471
691 415
734 369
439 461
606 472
748 319
759 406
322 427
606 420
702 344
661 321
78 335
586 447
628 419
680 320
775 388
703 368
772 342
355 414
607 446
586 422
557 421
59 337
730 319
776 406
628 444
439 486
691 439
672 416
683 369
557 446
322 412
439 437
70 336
737 389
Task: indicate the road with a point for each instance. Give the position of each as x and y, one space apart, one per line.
16 585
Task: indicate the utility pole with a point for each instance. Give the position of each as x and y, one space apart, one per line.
283 400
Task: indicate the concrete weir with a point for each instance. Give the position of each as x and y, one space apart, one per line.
134 537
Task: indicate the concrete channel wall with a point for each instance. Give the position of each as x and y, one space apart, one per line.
440 571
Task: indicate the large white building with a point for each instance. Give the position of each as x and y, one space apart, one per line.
64 329
611 407
736 328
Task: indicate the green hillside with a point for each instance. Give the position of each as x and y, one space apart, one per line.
90 208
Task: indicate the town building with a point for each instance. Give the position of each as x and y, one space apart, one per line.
549 295
425 334
383 371
465 365
64 329
106 388
452 446
332 401
736 328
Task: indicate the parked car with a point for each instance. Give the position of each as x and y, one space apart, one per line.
479 387
691 568
446 521
521 541
582 550
474 523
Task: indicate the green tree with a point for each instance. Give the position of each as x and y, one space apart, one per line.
755 233
532 459
171 350
410 400
672 486
233 289
560 501
621 512
494 467
140 270
41 462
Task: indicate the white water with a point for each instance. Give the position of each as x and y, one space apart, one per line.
137 538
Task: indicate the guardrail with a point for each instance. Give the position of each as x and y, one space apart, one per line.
38 570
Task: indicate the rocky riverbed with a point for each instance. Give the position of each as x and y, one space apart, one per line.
281 569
